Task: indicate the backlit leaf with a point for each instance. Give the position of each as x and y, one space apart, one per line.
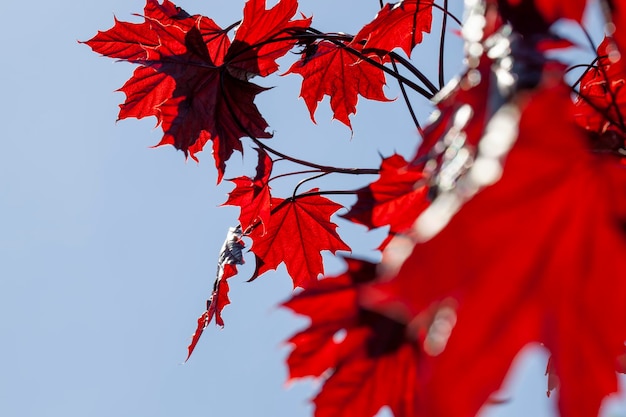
398 25
330 70
297 232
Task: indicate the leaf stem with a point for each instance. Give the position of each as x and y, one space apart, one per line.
323 168
413 69
288 174
447 13
442 41
304 181
310 194
409 106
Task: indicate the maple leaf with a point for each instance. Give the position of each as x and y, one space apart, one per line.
252 195
182 82
395 199
212 105
230 256
263 37
371 365
298 230
333 71
397 25
526 260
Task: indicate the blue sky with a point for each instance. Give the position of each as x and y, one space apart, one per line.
108 247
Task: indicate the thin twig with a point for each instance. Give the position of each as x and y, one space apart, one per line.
442 40
409 66
408 102
304 181
323 168
289 174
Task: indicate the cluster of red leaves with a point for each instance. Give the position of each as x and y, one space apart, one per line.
527 187
528 270
340 69
193 78
539 256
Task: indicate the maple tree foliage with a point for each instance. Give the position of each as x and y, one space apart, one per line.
192 78
505 227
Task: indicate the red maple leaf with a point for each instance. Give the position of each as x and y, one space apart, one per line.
536 257
209 105
330 69
263 37
553 378
395 199
298 230
182 81
371 365
397 25
252 195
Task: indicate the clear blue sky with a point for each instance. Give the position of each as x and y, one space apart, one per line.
108 248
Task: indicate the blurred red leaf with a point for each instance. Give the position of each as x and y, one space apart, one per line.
368 356
552 10
298 230
527 260
536 16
